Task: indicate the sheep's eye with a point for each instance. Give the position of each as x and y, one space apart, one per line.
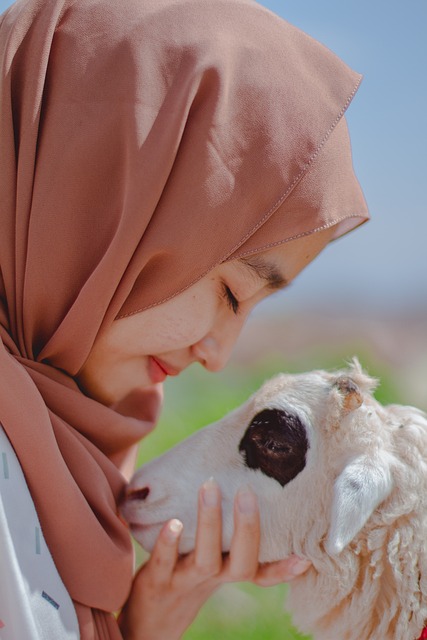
276 443
275 447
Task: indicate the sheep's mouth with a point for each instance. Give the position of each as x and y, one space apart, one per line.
136 527
146 534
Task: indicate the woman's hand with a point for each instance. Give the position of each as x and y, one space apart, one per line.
169 590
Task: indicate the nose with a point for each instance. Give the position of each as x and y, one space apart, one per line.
213 351
137 494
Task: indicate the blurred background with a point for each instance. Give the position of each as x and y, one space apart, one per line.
365 295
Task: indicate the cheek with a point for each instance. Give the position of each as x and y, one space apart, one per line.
179 323
173 333
176 324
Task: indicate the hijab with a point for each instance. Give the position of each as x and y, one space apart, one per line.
143 142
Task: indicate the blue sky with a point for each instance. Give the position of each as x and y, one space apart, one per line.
385 262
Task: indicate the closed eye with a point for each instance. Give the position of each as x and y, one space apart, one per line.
230 298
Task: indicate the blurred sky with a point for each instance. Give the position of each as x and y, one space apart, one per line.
384 263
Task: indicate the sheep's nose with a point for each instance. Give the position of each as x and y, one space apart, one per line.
137 494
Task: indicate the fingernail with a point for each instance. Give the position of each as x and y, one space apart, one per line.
210 493
297 566
246 501
173 530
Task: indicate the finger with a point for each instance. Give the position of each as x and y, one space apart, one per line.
273 573
243 558
207 553
160 566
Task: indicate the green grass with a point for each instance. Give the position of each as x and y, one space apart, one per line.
197 398
244 611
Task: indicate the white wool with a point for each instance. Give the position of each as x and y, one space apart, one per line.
357 510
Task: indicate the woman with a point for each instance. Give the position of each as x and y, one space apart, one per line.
165 165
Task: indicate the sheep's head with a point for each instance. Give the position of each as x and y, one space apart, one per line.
313 447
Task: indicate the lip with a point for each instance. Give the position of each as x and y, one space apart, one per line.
159 370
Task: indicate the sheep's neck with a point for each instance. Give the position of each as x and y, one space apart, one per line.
361 582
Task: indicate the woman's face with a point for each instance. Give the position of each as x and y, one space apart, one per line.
201 324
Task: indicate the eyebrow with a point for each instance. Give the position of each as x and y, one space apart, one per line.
266 271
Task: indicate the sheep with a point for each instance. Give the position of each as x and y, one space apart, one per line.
340 479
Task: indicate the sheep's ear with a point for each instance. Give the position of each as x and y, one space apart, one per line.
352 396
358 491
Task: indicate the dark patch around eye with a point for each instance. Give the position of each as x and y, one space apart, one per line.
276 443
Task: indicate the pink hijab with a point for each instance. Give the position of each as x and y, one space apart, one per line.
142 143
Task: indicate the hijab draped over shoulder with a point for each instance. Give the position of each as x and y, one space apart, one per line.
143 142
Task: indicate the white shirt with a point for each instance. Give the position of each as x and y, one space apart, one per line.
34 604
